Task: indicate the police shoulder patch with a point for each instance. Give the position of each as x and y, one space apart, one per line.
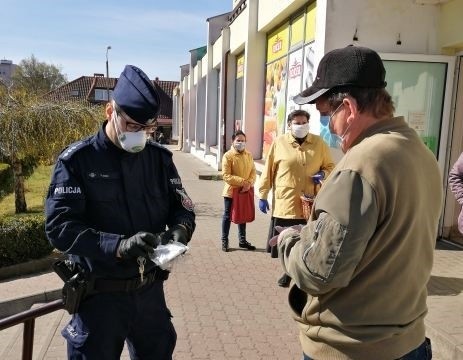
187 203
73 148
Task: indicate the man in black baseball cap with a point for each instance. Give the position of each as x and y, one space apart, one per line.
373 224
357 71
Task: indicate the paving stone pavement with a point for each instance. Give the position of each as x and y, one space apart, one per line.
227 305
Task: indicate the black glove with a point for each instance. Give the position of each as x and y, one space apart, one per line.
176 233
140 244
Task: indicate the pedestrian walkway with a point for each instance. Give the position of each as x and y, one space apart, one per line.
227 305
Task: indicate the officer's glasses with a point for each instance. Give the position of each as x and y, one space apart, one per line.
131 126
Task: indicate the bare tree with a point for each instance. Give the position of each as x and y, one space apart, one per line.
38 78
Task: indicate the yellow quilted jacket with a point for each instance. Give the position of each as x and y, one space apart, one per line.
288 170
236 168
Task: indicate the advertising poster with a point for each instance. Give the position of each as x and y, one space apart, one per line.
275 102
294 81
318 126
275 86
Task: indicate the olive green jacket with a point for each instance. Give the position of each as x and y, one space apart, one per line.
362 262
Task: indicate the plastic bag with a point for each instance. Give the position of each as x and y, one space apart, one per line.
242 210
164 255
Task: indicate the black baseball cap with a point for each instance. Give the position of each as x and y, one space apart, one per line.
350 66
135 94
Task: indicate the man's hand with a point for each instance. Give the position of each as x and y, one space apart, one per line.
263 206
176 233
283 231
140 244
318 177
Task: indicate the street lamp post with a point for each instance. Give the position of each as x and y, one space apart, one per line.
107 71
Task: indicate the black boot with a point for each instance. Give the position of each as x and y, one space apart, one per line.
246 245
225 245
284 280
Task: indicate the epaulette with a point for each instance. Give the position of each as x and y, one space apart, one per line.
159 146
67 153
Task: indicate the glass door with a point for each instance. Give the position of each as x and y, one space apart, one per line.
421 87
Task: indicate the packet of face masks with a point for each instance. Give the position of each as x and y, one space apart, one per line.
164 255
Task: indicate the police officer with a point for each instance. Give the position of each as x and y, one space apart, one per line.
113 198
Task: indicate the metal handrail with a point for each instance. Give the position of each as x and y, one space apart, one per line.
28 318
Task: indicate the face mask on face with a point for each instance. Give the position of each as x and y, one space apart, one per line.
132 142
337 138
300 131
239 146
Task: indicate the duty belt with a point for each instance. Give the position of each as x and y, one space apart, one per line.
127 285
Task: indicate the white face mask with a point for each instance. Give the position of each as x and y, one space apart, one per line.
300 131
132 142
239 146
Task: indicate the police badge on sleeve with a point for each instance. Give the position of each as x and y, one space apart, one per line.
187 203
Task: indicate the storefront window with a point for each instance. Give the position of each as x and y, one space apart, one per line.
289 69
417 89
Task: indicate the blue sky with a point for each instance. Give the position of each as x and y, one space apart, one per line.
155 35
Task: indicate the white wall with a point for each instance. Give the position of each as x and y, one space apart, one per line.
204 65
272 12
239 31
254 78
217 52
378 24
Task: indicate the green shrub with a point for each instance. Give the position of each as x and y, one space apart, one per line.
22 238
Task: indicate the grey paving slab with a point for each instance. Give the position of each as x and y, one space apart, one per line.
227 305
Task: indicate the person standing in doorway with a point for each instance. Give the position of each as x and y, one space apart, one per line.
238 171
456 186
295 163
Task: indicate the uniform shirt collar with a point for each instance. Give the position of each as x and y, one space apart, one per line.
104 141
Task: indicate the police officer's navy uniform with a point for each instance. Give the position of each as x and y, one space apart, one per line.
98 195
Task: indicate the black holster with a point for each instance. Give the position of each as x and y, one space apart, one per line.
75 284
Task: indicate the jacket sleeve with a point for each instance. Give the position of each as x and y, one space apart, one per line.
328 249
252 175
66 224
456 179
266 178
181 205
227 172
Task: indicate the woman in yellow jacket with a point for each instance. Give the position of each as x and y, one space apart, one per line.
295 163
238 171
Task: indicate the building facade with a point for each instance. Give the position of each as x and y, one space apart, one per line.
6 71
262 53
97 89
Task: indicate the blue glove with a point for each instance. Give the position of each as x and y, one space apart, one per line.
263 206
318 177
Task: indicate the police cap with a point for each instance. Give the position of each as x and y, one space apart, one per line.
135 94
